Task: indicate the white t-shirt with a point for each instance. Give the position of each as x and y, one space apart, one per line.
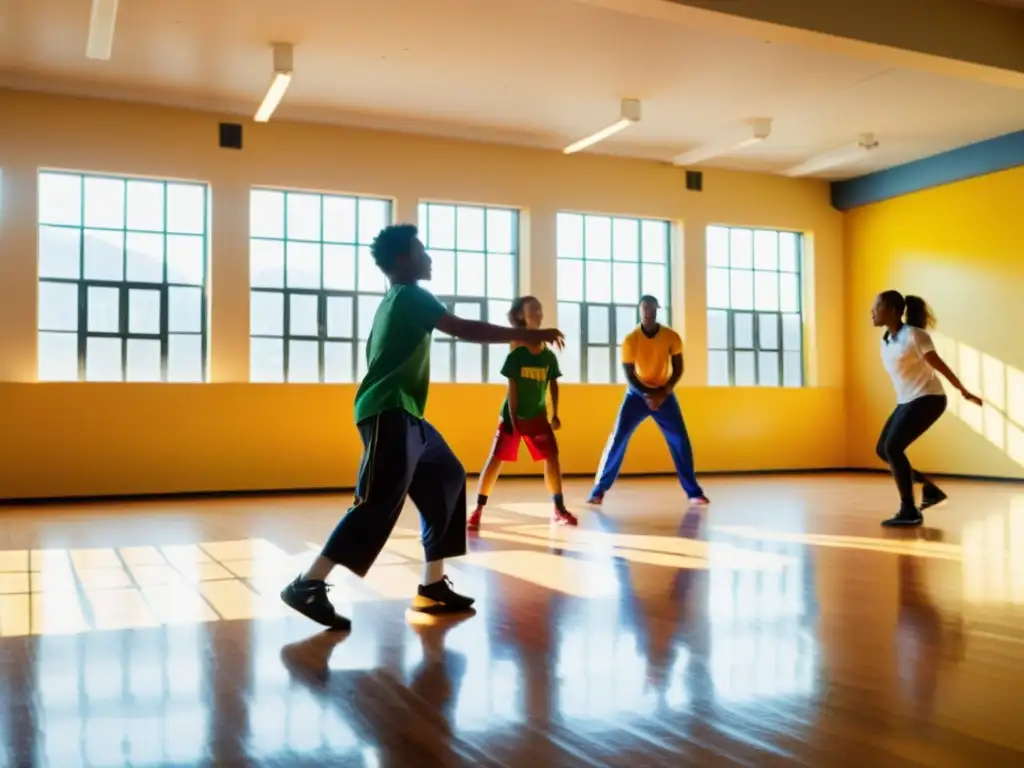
903 358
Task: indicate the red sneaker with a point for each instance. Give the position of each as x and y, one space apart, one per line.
700 501
474 519
564 517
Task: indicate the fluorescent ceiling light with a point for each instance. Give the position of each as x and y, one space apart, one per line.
754 132
630 111
101 29
836 157
279 85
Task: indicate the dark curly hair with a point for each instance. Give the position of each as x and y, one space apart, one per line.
392 242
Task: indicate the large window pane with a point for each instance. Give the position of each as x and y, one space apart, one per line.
143 360
58 357
58 306
186 208
598 286
185 357
470 279
303 361
60 252
569 357
605 264
144 313
60 199
266 313
474 253
103 359
266 360
599 365
144 257
116 234
103 254
469 222
145 206
303 315
303 217
598 324
103 309
754 269
104 202
338 362
320 251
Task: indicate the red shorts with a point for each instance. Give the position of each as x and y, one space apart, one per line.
536 433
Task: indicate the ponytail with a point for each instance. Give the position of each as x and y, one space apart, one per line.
917 312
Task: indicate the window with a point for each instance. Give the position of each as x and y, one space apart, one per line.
475 253
605 265
755 326
122 275
314 286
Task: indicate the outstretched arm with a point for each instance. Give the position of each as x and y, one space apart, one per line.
936 362
485 333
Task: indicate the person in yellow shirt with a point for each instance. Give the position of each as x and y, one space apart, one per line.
652 357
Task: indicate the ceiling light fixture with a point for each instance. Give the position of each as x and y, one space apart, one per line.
755 131
630 113
101 29
836 157
278 86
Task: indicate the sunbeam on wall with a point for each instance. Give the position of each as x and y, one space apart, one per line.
1001 386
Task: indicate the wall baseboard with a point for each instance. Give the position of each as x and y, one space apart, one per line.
197 495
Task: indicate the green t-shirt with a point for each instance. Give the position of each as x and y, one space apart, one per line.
398 353
531 373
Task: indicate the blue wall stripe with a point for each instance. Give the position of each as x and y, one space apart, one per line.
998 154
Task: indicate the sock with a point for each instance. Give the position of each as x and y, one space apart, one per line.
481 500
433 571
559 502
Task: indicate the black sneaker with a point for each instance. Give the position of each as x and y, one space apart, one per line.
439 597
905 518
310 599
931 497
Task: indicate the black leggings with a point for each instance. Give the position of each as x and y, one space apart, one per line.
907 423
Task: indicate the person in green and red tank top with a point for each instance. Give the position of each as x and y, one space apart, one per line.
531 370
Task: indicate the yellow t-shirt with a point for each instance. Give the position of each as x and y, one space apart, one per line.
652 357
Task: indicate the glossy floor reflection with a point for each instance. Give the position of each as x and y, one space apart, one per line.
780 626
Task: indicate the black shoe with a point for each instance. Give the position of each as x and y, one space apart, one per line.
310 599
931 497
439 597
905 518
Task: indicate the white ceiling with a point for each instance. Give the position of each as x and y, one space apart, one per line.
529 72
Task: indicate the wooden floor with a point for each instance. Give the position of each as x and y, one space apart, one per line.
780 626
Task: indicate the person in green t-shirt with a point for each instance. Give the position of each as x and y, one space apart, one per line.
402 453
531 369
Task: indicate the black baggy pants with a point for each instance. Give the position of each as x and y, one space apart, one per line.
402 456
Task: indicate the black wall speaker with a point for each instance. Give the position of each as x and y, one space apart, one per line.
230 136
694 181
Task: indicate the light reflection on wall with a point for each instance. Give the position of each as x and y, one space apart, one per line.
87 684
993 556
760 647
1001 386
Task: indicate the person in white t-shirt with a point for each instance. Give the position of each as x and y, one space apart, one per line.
910 359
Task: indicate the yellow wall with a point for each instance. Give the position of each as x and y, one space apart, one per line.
960 247
71 439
